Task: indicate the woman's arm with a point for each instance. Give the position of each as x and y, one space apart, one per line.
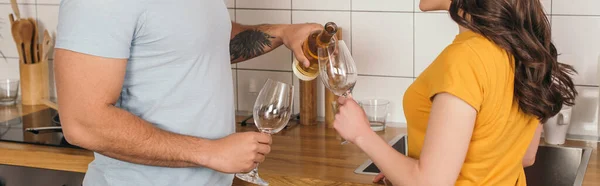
529 157
446 143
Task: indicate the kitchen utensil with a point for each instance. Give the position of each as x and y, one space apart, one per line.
27 35
556 128
9 88
37 130
15 8
46 43
22 33
377 112
16 33
272 111
35 42
11 17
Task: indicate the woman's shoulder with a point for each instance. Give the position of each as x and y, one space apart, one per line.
470 48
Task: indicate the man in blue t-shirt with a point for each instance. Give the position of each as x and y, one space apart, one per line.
147 86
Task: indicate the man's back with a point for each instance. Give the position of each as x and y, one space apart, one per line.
178 74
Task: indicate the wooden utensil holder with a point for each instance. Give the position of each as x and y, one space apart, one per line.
308 102
34 83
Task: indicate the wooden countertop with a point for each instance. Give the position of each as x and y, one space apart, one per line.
300 155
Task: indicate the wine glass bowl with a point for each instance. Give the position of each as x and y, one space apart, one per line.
271 119
272 111
337 68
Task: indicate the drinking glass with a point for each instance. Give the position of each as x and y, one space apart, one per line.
337 70
272 111
9 88
376 111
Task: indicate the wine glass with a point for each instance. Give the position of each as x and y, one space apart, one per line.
337 70
272 111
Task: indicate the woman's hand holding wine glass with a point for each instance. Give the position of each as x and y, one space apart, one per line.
337 70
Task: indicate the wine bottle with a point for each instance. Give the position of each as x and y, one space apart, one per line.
310 47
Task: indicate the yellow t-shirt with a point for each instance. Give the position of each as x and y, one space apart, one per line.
480 73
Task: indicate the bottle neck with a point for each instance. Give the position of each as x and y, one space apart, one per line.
328 32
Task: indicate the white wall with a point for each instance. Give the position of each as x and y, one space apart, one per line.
392 42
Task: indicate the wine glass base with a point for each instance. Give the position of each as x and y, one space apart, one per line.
252 178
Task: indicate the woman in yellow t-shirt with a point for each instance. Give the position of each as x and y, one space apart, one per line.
474 114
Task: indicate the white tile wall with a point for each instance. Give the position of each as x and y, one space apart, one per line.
250 82
392 42
546 3
48 19
584 114
578 43
341 19
433 32
382 5
9 68
264 4
382 43
576 7
321 4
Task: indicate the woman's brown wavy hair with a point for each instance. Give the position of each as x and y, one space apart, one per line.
542 84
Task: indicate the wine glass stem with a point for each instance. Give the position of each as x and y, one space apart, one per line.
335 106
255 170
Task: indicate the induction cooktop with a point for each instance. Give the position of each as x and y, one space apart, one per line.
15 130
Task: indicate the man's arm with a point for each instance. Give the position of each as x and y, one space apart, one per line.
250 41
88 87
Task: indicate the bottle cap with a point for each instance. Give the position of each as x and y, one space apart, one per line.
299 74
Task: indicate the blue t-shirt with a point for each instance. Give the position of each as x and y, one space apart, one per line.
178 75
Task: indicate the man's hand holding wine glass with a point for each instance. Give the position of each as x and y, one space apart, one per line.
239 152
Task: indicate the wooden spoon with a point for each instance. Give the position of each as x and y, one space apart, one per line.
16 33
15 8
11 18
35 42
46 45
27 35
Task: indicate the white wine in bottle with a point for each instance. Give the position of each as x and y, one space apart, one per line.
316 40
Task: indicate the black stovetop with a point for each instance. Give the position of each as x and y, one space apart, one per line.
14 130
